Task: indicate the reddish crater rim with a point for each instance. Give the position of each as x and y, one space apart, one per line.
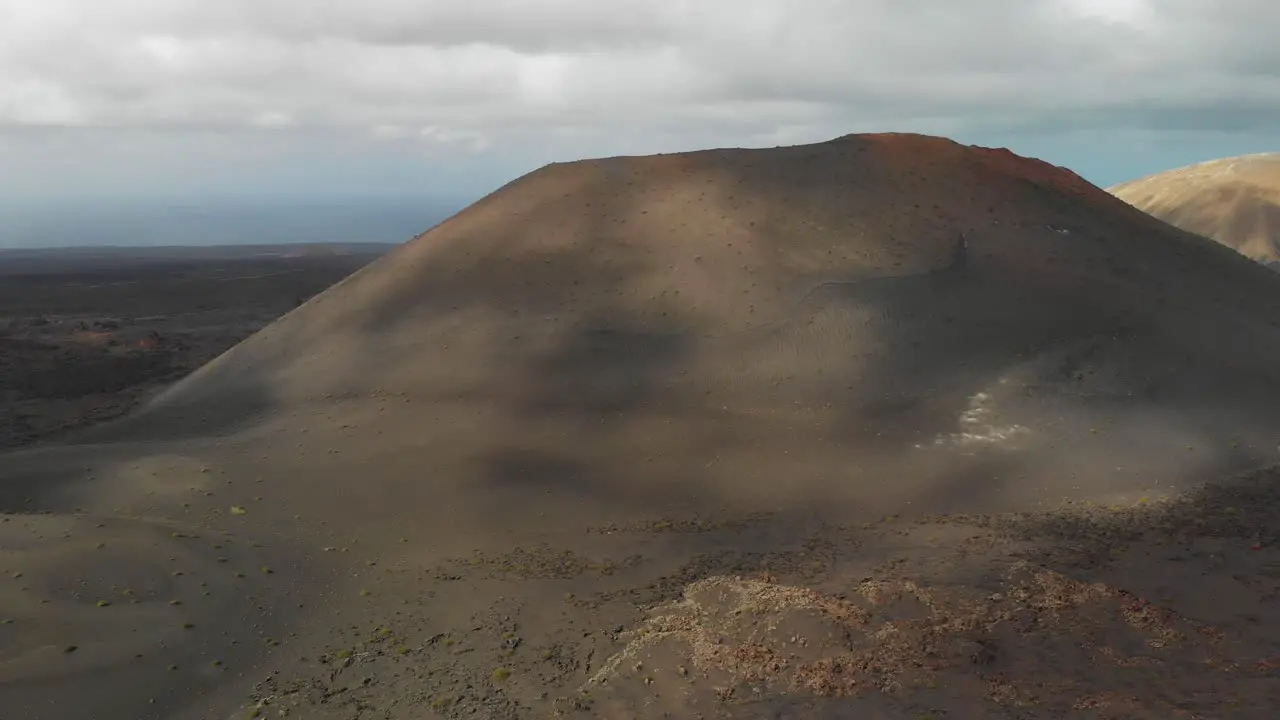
1037 171
997 161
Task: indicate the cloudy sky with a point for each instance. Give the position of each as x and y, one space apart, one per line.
138 100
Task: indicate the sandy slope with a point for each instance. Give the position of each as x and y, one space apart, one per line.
458 482
1235 201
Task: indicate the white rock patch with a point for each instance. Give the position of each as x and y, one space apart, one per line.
979 425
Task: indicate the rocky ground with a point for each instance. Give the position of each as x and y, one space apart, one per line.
1165 609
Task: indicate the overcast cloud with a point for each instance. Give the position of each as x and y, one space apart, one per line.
425 95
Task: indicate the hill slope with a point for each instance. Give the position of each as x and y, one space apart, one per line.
870 287
1235 201
471 468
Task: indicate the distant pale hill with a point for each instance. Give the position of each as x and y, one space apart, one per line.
1235 201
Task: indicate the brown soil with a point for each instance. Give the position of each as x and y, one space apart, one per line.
885 427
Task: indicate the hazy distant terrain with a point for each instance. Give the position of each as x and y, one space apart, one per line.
85 333
171 259
220 221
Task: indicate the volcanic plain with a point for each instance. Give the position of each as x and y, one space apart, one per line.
881 427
